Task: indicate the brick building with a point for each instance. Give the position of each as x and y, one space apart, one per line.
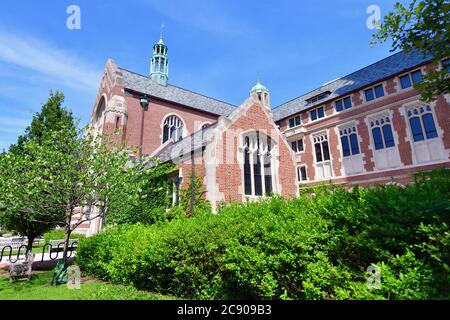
364 128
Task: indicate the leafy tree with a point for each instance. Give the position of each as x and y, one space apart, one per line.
85 172
27 204
52 117
424 25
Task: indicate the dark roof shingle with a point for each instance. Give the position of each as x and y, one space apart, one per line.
378 71
143 84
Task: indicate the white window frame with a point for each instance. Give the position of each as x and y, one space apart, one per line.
373 91
295 126
303 143
183 127
316 109
320 137
426 143
409 74
299 179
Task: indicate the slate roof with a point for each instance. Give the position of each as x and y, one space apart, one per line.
143 84
183 147
376 72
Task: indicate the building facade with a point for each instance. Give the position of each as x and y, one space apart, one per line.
369 127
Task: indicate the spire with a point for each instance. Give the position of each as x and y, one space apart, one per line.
159 68
262 93
161 35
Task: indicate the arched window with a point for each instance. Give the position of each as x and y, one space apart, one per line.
100 111
382 133
258 178
422 123
173 129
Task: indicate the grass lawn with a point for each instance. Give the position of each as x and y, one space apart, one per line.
39 288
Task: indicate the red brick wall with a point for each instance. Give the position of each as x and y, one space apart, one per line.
154 116
229 175
395 97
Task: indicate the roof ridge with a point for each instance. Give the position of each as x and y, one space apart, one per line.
188 90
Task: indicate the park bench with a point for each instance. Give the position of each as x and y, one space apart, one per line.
15 245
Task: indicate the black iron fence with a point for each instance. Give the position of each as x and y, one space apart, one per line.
50 252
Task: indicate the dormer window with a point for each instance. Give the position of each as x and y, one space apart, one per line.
318 97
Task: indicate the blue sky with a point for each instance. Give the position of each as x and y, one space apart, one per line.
217 48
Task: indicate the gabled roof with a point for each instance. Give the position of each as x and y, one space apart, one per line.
376 72
179 149
145 85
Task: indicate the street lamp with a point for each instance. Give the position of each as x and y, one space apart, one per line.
144 105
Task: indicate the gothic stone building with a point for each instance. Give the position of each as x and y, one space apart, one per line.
369 127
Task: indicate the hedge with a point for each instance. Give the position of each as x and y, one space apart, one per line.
318 246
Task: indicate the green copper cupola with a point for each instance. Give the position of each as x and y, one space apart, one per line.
159 68
262 93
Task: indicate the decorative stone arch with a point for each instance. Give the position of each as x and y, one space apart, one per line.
183 128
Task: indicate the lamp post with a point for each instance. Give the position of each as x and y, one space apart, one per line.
144 104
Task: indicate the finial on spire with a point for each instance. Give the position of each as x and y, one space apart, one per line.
162 29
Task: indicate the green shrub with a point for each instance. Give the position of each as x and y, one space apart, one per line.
314 247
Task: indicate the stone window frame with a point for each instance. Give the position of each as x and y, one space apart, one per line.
183 127
427 109
384 117
372 88
354 126
317 113
296 142
275 164
411 79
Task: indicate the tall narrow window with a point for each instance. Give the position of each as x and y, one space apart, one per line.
349 141
422 123
322 148
301 174
173 129
257 173
258 178
268 172
382 133
247 168
323 160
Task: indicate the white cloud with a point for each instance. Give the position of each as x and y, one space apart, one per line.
54 64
